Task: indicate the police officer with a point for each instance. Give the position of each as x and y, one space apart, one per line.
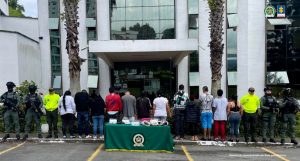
10 100
289 107
269 108
33 103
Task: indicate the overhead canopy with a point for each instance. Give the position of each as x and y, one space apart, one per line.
143 50
279 21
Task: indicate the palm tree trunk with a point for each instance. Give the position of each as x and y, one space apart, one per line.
72 46
216 44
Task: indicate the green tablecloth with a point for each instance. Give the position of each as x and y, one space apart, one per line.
120 137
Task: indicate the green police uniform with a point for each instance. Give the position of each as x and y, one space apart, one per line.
33 112
289 107
269 108
11 116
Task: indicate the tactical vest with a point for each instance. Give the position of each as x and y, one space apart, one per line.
270 102
34 101
11 98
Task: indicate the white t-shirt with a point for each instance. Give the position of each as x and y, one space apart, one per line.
221 105
70 105
161 106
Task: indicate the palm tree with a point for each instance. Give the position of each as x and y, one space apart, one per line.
216 44
72 46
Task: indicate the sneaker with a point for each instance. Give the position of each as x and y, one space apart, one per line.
101 137
25 137
49 136
72 136
272 140
40 136
177 138
88 136
18 136
95 137
79 136
230 140
295 142
6 136
237 140
64 136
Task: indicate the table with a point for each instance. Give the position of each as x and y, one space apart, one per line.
121 137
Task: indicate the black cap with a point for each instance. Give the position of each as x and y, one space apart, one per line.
32 88
267 89
10 84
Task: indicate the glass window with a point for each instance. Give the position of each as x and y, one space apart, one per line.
53 8
193 21
276 50
150 2
166 2
166 24
91 8
134 2
194 62
231 42
231 6
134 13
293 44
193 6
118 14
119 3
55 52
193 33
150 13
166 12
153 24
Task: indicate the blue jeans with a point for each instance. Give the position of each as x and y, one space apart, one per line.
98 123
83 120
234 122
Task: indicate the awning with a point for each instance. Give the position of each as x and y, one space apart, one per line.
279 21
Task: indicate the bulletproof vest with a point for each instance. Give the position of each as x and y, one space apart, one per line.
290 106
34 100
11 98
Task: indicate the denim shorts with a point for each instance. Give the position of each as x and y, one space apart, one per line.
206 120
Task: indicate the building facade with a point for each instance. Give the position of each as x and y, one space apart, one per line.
3 7
158 44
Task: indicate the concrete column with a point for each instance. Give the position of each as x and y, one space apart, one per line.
83 51
224 59
103 33
251 46
204 50
64 56
43 21
181 13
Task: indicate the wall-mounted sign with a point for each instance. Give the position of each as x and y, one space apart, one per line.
280 10
270 11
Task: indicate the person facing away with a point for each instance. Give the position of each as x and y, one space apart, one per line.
289 108
206 113
83 110
50 102
10 100
180 99
235 112
269 108
129 107
192 117
220 115
67 110
97 106
113 104
161 107
34 103
251 103
143 106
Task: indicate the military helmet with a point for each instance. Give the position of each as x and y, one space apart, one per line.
10 84
267 89
32 88
287 92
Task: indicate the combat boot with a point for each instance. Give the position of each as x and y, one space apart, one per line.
272 140
49 136
294 141
264 140
5 136
282 141
25 137
18 136
40 136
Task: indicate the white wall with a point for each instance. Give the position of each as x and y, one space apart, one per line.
9 60
29 60
251 46
4 7
26 26
43 15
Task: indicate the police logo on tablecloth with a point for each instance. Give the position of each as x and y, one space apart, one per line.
138 140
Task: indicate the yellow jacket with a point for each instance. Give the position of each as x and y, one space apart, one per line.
250 103
51 101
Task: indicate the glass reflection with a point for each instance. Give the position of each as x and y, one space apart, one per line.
150 13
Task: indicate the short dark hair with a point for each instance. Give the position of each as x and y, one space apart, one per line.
111 90
205 89
159 93
181 87
220 92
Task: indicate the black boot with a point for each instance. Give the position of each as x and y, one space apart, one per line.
5 137
55 136
18 136
49 136
264 140
294 141
272 140
253 140
282 141
25 137
40 136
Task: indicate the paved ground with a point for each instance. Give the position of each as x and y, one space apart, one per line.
46 151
